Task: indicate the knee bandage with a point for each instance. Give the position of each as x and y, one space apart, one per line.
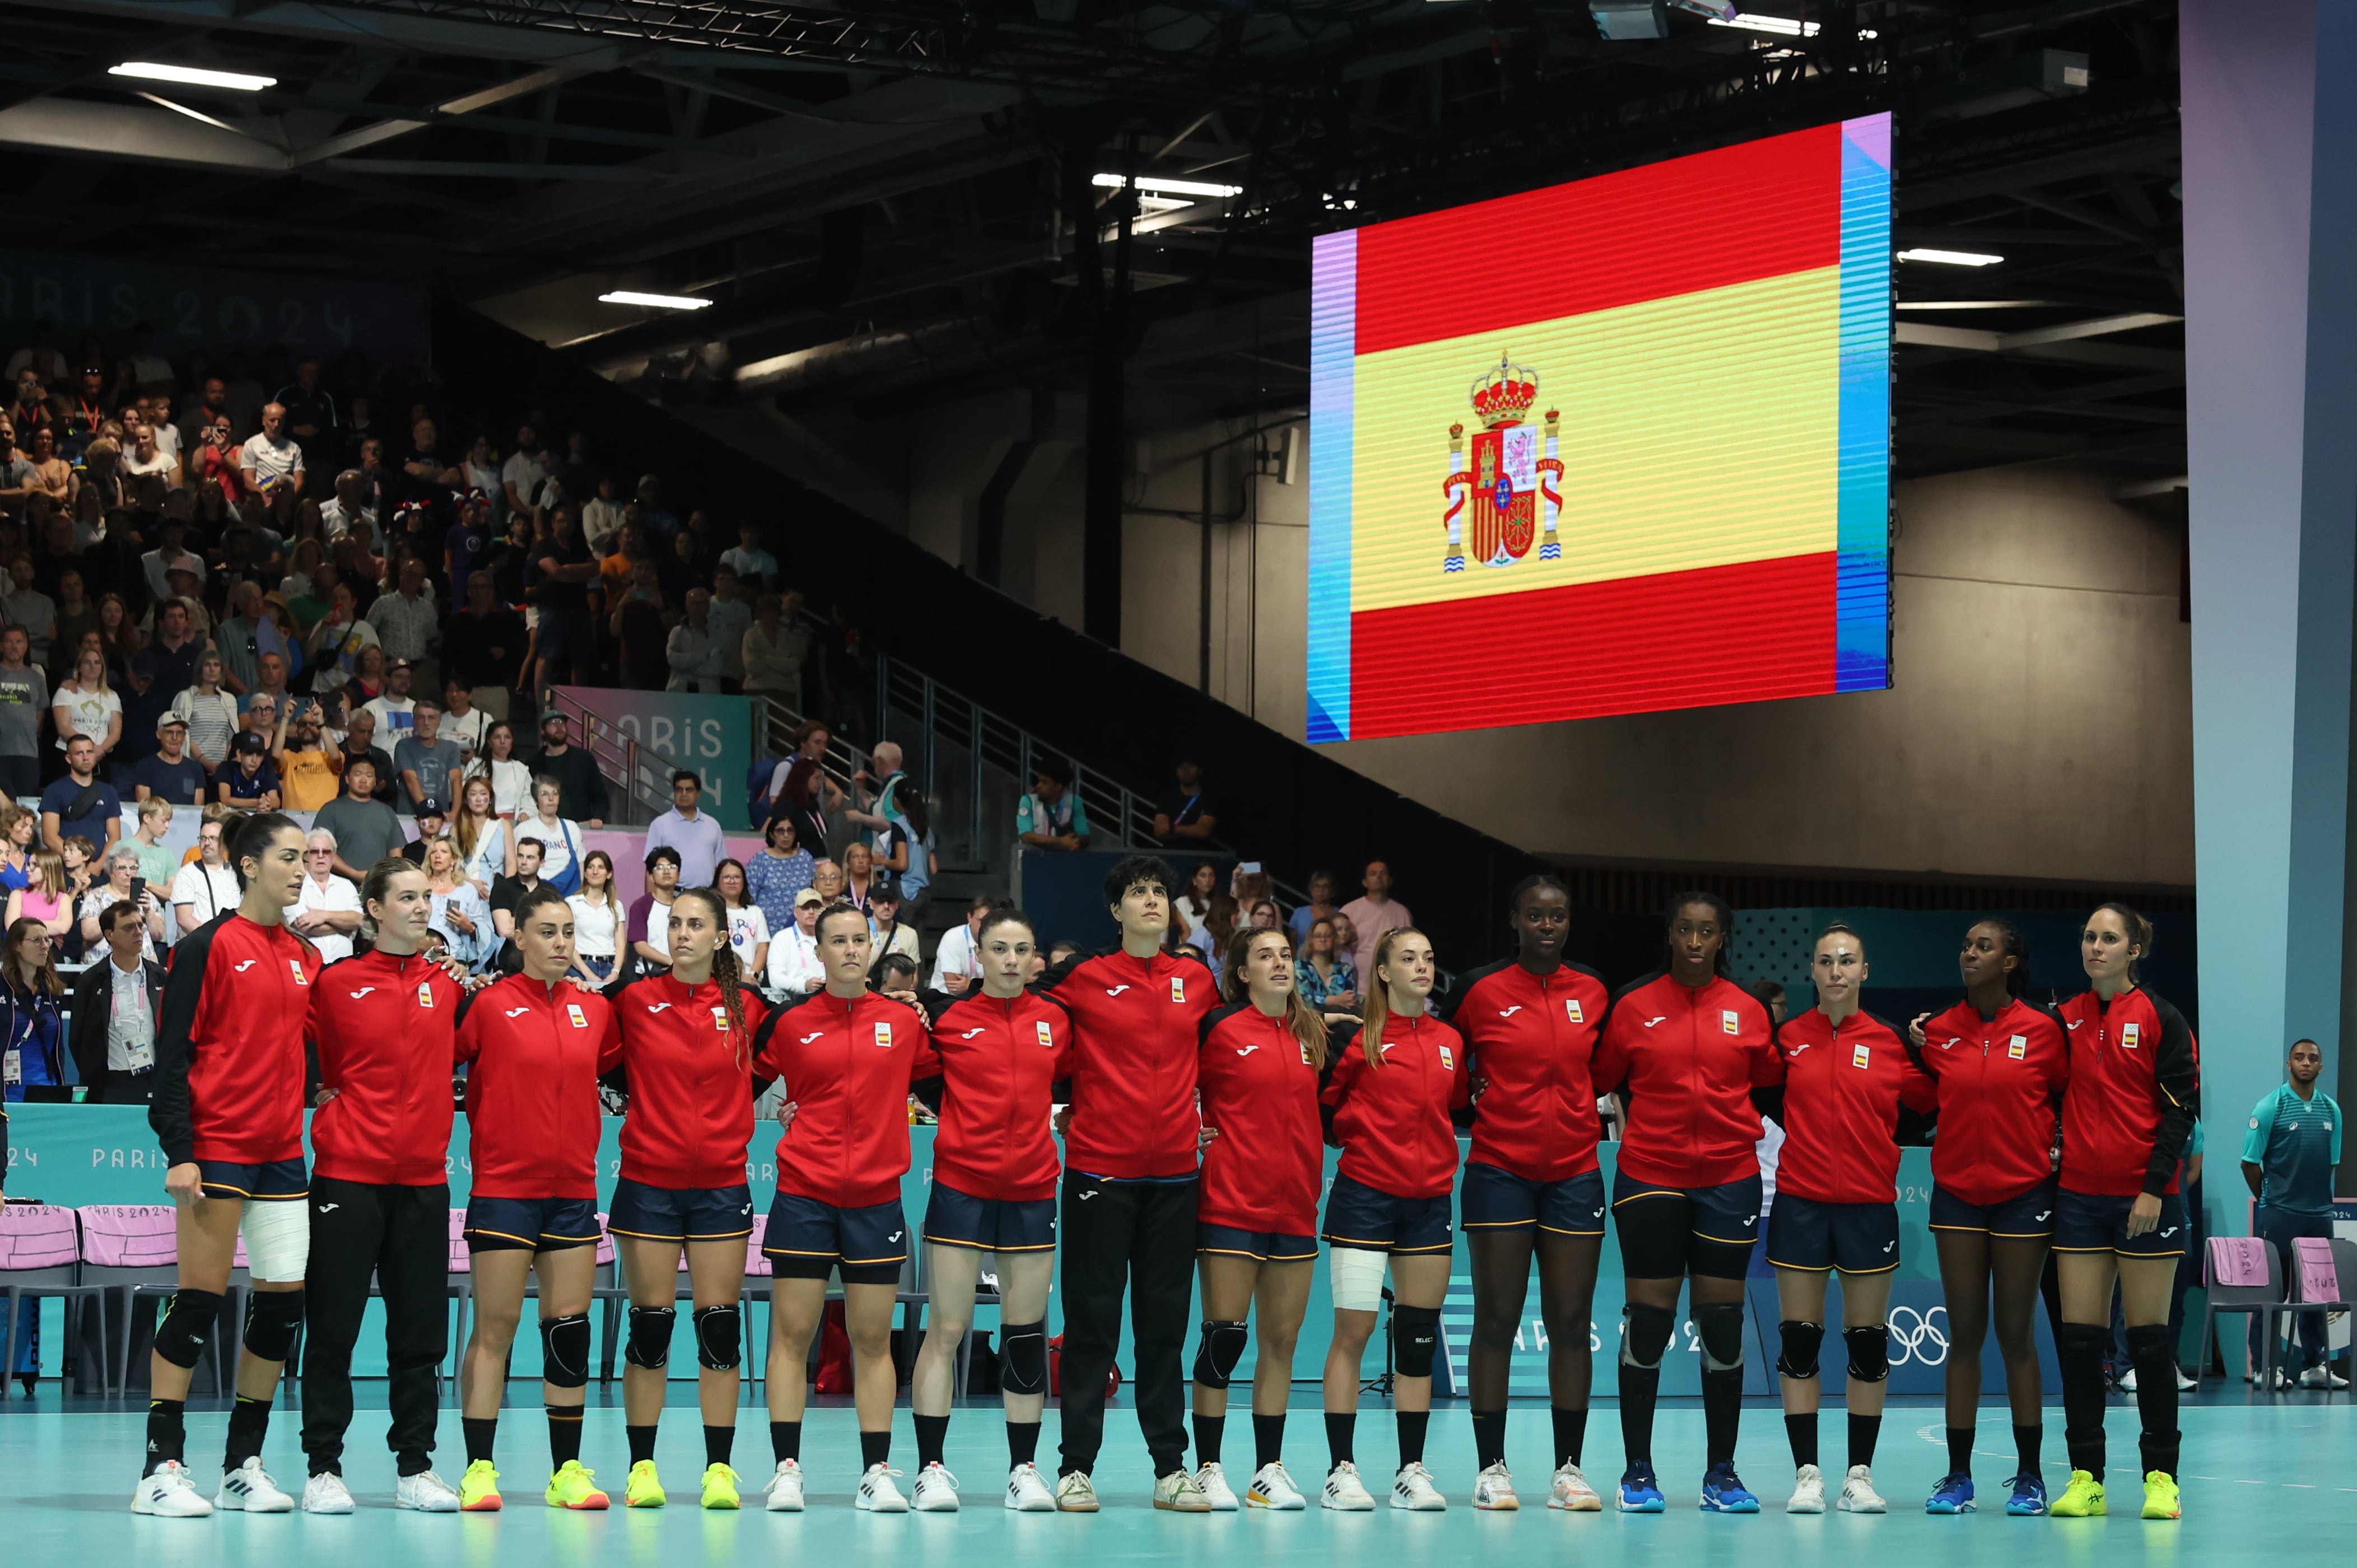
272 1316
1023 1358
565 1350
650 1341
1797 1356
1216 1357
1416 1336
718 1338
1870 1352
277 1240
1720 1327
187 1326
1356 1277
1644 1334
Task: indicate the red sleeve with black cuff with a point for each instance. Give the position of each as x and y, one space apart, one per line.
230 1068
2135 1091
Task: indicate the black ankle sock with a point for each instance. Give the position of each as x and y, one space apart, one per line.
1640 1386
1722 1412
719 1442
1865 1431
642 1442
1801 1431
2027 1441
1960 1450
1209 1431
1022 1443
875 1448
1412 1426
1489 1438
1341 1433
1268 1439
932 1432
2080 1347
479 1431
167 1433
1570 1435
563 1435
249 1424
786 1441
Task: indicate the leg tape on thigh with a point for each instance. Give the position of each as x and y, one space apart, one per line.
1720 1327
1644 1334
1023 1357
277 1240
565 1350
1797 1354
650 1342
272 1316
718 1338
1870 1352
1416 1336
1216 1357
187 1326
1356 1277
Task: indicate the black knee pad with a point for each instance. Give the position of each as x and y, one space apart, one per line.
272 1316
2081 1342
565 1350
1023 1357
187 1326
1720 1327
2148 1344
1216 1357
1644 1334
1797 1356
1416 1336
719 1338
1870 1352
650 1342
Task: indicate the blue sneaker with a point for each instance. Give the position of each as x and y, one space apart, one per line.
1641 1492
2029 1499
1953 1495
1722 1492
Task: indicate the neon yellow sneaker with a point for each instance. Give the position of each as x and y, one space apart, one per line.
2160 1496
479 1489
573 1486
2082 1499
645 1491
720 1487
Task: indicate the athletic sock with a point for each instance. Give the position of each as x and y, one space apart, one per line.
1570 1435
1489 1438
249 1424
1268 1439
1722 1412
1022 1443
167 1433
932 1433
1412 1426
563 1435
1960 1450
1800 1432
786 1441
2080 1348
875 1448
479 1431
2155 1392
1640 1386
2027 1441
719 1442
1341 1433
642 1442
1208 1430
1865 1431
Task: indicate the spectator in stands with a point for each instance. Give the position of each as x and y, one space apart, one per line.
774 649
425 472
163 669
1185 815
171 775
146 457
307 768
497 764
598 921
243 635
563 570
692 651
1263 916
749 560
794 965
360 745
827 878
17 826
340 644
24 703
53 475
584 795
433 819
116 1005
271 456
484 643
40 359
81 802
466 544
366 829
408 621
601 519
731 615
394 709
640 627
1374 914
47 897
327 911
120 885
886 781
509 891
1202 886
348 509
650 927
310 416
157 864
957 962
462 721
1052 815
858 874
887 932
748 927
206 887
248 783
906 850
781 871
799 789
26 605
427 764
695 833
1326 976
1211 937
527 469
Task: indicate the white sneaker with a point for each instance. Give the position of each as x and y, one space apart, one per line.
169 1494
1345 1492
936 1489
1493 1488
1857 1493
1178 1493
785 1487
2186 1384
877 1493
1075 1493
1026 1492
325 1493
250 1487
2322 1377
1413 1489
1808 1491
1273 1488
2127 1380
2282 1381
426 1492
1213 1479
1572 1491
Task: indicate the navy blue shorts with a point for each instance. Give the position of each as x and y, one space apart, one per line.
2028 1216
1495 1199
2097 1222
1855 1238
533 1224
1358 1216
277 1181
680 1213
954 1219
808 1240
1667 1233
1262 1246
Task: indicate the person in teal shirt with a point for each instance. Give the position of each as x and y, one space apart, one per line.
1051 816
2289 1154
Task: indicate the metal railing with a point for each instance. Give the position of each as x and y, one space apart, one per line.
639 776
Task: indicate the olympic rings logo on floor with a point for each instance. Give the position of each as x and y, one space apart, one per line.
1917 1336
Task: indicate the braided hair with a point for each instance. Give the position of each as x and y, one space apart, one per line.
726 972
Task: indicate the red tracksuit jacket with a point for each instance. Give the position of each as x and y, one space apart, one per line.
999 1062
1532 1038
1132 1086
2135 1090
1260 1090
1395 1122
387 1033
1843 1087
2001 1083
533 1115
691 1082
1689 1060
229 1047
847 1065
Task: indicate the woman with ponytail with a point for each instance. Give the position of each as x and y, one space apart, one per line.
687 1057
2000 1061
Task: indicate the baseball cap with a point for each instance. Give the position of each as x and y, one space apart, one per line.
884 887
185 562
171 721
809 895
552 717
432 806
249 744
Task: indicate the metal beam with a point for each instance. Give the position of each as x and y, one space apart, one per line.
2155 151
465 103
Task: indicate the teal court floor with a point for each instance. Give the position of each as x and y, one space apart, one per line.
2271 1482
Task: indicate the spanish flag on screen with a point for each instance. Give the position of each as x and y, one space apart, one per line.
1607 447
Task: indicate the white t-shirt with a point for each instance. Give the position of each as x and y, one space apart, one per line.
210 889
511 785
467 730
91 712
751 565
555 847
338 897
954 956
748 929
596 928
282 459
793 960
527 471
394 718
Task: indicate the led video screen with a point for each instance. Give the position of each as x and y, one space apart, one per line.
1611 446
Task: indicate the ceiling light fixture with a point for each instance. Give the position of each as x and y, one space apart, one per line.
1782 26
192 76
1952 258
652 301
1162 187
1164 203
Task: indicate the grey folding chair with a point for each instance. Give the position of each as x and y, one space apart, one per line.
40 1255
2279 1318
2254 1299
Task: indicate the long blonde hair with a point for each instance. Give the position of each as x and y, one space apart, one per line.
1307 1024
1379 996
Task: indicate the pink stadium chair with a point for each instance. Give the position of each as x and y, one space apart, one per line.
134 1248
40 1255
